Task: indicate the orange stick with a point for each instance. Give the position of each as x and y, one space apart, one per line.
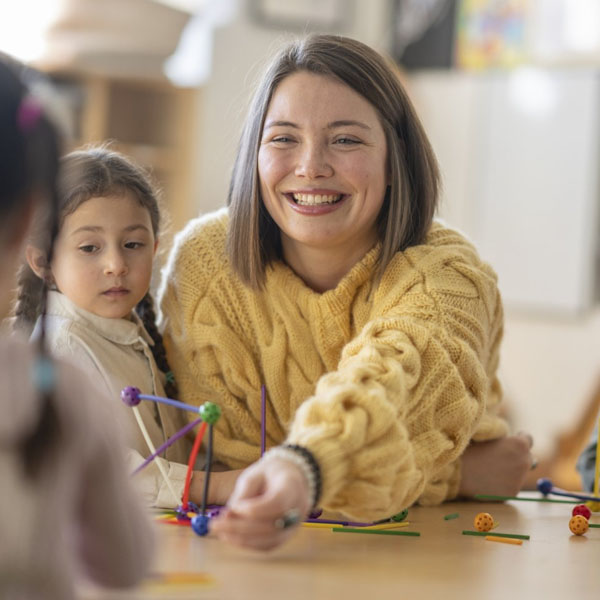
495 538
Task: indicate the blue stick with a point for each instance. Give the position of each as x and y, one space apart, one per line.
175 403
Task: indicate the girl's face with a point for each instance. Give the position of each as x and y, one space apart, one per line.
322 165
103 255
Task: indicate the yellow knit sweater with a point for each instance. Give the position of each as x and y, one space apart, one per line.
386 390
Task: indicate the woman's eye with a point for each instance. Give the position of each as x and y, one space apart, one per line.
282 139
345 141
88 248
134 245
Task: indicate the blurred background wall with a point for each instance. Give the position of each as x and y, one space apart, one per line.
509 93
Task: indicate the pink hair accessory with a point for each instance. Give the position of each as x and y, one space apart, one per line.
28 114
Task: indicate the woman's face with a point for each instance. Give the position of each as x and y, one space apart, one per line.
322 166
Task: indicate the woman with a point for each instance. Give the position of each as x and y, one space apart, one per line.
375 331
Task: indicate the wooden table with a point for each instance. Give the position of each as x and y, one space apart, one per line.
442 563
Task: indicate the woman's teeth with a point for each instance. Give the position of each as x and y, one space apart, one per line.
313 199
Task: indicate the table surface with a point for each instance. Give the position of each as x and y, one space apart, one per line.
441 563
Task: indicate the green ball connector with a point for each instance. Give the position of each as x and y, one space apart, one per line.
210 413
400 516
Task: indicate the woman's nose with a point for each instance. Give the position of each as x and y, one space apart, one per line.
313 162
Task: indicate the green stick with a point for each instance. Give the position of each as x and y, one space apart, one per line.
451 516
487 497
373 531
516 536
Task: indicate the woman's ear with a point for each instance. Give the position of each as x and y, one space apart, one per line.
36 259
155 246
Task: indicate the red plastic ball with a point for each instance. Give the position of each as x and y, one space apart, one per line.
583 510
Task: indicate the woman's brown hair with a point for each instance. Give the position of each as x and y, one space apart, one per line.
411 198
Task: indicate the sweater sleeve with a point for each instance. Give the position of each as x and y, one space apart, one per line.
410 391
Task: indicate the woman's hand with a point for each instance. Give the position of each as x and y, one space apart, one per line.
264 494
498 467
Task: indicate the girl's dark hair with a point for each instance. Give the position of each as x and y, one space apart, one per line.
96 172
29 151
253 238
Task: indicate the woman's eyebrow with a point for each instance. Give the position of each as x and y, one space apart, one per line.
347 123
332 125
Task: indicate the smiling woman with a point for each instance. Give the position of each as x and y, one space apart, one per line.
374 330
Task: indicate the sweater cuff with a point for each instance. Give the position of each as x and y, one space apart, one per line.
444 487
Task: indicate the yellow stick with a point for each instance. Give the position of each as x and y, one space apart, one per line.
388 525
319 525
493 538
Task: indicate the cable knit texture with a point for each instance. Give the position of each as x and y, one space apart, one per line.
385 386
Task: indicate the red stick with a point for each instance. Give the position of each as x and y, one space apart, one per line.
190 469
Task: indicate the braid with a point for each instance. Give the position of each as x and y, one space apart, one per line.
28 305
145 310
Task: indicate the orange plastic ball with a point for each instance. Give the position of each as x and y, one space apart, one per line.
578 525
483 522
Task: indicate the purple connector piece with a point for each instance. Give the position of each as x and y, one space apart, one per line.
131 395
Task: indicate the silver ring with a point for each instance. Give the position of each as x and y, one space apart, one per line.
534 463
289 519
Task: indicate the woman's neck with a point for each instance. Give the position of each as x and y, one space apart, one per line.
321 268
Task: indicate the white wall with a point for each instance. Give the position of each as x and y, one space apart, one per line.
550 359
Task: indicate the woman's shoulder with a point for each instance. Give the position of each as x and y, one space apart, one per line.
201 243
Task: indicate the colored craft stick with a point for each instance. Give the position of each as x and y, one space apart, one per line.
515 536
173 521
344 523
263 419
388 526
488 497
168 443
593 525
207 472
497 538
373 531
146 435
176 403
316 525
191 462
451 516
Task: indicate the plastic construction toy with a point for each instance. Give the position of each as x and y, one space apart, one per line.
209 415
483 522
583 510
578 525
546 487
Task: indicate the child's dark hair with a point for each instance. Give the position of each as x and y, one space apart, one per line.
92 173
29 151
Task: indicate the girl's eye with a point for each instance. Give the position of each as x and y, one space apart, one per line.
134 245
88 248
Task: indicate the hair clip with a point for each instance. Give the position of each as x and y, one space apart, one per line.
28 114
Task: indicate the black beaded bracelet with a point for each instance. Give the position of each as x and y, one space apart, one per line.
314 465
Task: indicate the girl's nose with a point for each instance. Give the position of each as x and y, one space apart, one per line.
313 162
115 264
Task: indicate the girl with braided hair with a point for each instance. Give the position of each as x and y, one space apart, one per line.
100 313
66 498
